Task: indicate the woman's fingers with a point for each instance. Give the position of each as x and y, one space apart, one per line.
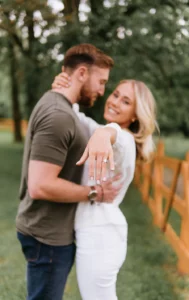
105 168
92 166
62 80
99 165
111 160
55 84
83 157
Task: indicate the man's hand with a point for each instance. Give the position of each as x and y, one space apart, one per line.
107 192
99 151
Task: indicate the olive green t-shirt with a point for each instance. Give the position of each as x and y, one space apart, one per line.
54 135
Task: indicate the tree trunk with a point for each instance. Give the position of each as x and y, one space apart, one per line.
15 95
30 74
71 9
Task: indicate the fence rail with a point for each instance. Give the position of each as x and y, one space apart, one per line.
164 195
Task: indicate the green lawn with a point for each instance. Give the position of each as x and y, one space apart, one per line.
149 272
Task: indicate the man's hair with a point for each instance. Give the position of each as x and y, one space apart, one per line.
87 54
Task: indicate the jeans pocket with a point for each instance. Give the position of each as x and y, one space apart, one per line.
30 247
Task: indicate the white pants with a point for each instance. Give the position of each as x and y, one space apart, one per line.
101 251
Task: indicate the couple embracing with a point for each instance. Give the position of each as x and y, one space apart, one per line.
75 174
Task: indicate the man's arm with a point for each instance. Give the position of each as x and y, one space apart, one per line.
44 184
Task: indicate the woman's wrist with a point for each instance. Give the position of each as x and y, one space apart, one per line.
108 132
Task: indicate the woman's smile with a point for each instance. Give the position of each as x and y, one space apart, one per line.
112 111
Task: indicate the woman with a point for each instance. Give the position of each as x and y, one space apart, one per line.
101 230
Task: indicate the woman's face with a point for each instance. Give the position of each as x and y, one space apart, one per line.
120 105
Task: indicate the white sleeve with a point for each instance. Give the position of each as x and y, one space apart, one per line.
89 123
124 145
119 142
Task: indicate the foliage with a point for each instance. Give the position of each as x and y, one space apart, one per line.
147 39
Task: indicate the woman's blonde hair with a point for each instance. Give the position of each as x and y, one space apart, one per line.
145 124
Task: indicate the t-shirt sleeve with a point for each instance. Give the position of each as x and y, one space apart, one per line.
52 137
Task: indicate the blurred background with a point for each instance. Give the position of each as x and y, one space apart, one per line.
149 41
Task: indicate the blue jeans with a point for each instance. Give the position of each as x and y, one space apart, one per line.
47 268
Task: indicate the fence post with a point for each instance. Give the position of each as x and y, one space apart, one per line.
158 175
170 200
183 262
187 157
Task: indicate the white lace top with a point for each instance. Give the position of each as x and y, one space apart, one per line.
124 157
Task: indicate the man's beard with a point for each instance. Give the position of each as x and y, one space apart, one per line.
86 97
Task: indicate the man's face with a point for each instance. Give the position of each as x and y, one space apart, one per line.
94 86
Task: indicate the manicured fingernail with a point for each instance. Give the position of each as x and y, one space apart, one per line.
104 179
112 169
91 178
98 181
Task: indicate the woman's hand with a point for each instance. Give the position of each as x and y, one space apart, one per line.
61 80
99 151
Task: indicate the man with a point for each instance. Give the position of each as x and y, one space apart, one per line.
50 190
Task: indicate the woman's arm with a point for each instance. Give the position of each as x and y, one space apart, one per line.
89 123
124 143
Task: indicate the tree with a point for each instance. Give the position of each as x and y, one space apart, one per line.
27 54
147 39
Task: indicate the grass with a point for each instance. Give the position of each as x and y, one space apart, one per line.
149 272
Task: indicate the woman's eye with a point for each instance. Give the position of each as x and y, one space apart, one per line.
115 95
125 102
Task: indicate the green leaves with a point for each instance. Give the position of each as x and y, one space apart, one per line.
148 40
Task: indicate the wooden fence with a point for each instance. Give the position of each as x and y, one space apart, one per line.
164 185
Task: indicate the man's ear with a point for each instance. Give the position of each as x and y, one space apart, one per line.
82 74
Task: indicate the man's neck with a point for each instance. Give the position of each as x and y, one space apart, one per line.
71 94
